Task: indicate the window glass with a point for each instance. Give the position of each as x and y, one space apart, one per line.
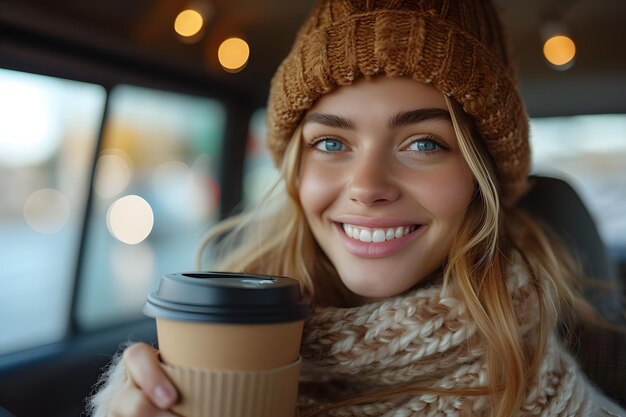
590 153
155 194
48 137
259 169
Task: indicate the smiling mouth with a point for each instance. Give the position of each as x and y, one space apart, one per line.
377 235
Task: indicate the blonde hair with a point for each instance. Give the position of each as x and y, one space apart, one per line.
479 259
273 238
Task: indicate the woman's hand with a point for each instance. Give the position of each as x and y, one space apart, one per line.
149 392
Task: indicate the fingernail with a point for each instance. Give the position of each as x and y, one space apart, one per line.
163 396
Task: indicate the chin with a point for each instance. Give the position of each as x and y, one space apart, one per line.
373 289
371 283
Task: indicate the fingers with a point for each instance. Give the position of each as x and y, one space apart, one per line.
132 402
143 365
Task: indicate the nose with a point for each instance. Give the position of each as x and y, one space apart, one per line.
372 181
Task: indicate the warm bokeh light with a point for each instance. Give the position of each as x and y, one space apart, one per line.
233 54
559 50
130 219
46 211
113 173
188 23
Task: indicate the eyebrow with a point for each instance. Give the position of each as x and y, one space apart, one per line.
329 120
402 118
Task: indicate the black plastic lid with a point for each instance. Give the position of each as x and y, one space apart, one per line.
227 297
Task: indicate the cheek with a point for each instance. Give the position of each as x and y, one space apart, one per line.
449 193
316 188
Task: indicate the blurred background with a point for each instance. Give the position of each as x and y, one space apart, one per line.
126 175
128 128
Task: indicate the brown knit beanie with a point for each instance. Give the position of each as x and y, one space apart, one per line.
455 45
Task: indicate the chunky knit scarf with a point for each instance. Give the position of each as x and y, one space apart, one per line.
425 339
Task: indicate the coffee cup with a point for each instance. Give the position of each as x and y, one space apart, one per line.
230 342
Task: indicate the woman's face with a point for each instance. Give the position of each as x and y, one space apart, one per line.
383 184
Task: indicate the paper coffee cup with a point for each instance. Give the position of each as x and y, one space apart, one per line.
230 342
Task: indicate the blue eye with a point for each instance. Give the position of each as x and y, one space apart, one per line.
424 145
329 145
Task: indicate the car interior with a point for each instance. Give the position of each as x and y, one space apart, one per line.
104 104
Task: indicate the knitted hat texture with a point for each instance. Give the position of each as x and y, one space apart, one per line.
455 45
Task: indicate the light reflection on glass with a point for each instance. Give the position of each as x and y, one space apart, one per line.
130 219
46 211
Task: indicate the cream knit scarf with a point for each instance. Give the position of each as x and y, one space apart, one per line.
426 339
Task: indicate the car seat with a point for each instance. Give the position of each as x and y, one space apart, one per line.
600 350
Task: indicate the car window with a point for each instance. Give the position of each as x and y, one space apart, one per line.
48 138
259 169
589 152
156 191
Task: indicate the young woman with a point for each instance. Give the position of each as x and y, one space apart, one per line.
402 144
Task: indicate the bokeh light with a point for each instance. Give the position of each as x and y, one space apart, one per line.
113 173
130 219
188 23
559 51
46 211
233 54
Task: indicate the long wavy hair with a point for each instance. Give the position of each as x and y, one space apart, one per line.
273 238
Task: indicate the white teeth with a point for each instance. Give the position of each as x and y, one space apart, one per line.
377 235
365 236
